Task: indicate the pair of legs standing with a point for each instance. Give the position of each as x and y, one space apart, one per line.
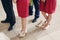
10 16
47 7
23 12
48 18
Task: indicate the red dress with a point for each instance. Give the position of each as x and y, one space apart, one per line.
23 8
48 7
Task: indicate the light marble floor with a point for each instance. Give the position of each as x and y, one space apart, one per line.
52 33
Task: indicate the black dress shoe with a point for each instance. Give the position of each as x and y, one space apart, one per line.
4 22
34 20
11 26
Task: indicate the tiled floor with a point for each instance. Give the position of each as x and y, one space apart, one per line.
52 33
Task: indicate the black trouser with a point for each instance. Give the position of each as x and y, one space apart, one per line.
8 7
30 9
36 5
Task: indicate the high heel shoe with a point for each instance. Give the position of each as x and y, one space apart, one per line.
42 23
22 34
45 26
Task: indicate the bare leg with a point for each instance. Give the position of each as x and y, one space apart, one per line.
48 21
23 31
23 20
49 18
44 14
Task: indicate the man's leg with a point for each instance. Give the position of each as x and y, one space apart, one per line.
5 6
30 10
36 4
12 16
8 7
